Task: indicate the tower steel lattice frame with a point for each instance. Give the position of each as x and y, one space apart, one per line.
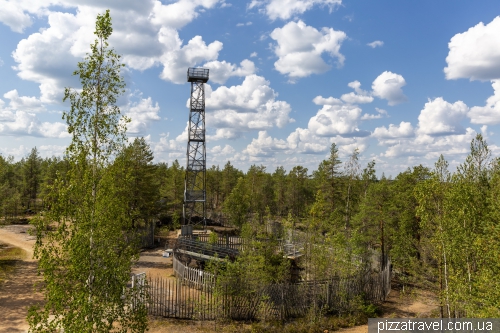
194 210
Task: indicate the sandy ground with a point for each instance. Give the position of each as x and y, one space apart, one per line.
16 293
420 304
154 264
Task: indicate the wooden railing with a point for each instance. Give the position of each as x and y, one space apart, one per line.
193 277
196 295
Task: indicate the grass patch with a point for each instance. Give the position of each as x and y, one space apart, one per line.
9 256
299 325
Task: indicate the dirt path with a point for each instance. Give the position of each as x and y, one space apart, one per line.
16 293
420 304
18 235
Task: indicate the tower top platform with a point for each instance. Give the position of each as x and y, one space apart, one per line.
197 74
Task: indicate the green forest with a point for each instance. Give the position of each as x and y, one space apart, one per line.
441 228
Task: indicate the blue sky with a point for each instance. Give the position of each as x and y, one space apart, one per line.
402 81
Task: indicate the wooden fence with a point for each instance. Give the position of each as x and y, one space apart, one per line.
193 295
231 242
193 277
238 243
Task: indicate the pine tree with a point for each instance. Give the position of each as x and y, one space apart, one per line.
31 178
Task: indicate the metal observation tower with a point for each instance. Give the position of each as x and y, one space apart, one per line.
193 210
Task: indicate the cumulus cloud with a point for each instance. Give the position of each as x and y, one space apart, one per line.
178 14
285 9
46 58
227 150
374 44
381 114
404 130
141 114
144 34
21 123
14 16
221 71
194 52
439 117
320 100
388 86
23 103
300 48
490 113
51 150
430 147
475 54
264 145
304 141
241 108
358 97
334 120
174 148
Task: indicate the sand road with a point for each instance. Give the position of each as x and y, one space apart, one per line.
17 293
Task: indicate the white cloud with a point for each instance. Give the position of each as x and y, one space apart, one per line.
21 123
253 54
175 148
388 86
249 106
142 114
1 62
320 100
45 57
265 145
51 150
475 54
227 150
430 147
194 52
178 14
304 141
13 16
221 71
381 114
224 134
490 113
341 116
359 97
23 103
375 44
285 9
334 120
244 24
144 34
17 152
404 130
439 117
300 48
